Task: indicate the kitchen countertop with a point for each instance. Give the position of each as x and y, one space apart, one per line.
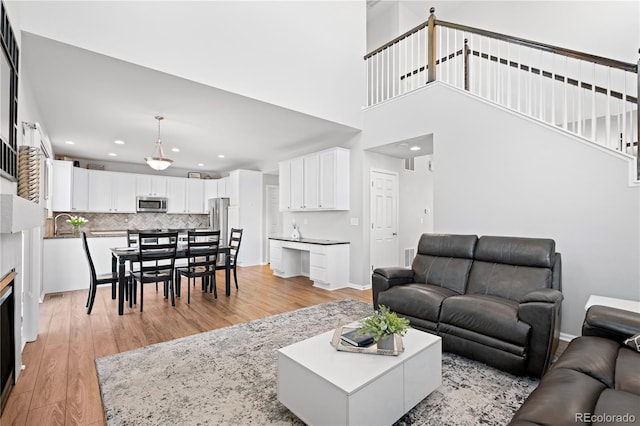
101 233
310 241
91 234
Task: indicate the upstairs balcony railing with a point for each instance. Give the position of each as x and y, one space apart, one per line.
588 95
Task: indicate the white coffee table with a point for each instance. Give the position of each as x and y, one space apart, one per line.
323 386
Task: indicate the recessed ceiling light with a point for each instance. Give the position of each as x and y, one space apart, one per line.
119 142
220 155
200 165
175 149
112 154
70 142
415 148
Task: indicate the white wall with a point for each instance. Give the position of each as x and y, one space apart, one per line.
415 196
302 55
605 28
497 172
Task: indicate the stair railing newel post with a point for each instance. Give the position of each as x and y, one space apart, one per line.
466 64
637 120
431 46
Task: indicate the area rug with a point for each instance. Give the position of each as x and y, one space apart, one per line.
228 376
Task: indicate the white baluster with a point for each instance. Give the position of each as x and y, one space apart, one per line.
624 111
564 104
607 121
593 104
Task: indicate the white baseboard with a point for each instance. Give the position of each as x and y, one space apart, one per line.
359 286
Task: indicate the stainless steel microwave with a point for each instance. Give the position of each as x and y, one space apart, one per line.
151 204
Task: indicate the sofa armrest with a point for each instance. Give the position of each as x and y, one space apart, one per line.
385 278
541 309
611 323
547 295
395 273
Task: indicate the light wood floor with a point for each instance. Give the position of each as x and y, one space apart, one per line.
60 386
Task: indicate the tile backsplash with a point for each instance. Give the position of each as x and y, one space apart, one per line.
123 221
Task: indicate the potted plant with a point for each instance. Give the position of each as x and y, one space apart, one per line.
383 324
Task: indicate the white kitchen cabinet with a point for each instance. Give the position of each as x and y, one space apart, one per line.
297 184
315 182
150 185
185 196
64 261
328 263
284 187
247 214
334 180
62 186
223 187
195 196
311 181
111 192
210 191
80 190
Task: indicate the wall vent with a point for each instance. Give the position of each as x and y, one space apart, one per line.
409 254
410 164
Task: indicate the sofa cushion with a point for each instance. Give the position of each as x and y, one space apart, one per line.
628 371
444 260
592 356
535 252
416 300
461 246
488 315
508 281
560 396
616 407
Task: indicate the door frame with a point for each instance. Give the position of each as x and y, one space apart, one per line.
269 188
371 207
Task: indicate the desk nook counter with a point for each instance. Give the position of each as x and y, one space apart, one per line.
325 262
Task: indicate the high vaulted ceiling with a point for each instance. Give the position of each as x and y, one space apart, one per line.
93 100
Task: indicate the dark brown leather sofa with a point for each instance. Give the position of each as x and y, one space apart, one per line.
595 381
493 299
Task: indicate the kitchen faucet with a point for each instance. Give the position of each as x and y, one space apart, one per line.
55 222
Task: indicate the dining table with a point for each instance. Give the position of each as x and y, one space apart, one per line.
120 255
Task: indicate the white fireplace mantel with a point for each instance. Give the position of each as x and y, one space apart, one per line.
18 214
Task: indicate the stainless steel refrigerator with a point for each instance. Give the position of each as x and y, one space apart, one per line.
219 220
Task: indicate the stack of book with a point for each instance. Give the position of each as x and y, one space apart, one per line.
355 338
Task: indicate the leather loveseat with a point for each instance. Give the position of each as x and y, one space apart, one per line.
493 299
595 381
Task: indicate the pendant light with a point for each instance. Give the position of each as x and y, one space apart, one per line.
159 162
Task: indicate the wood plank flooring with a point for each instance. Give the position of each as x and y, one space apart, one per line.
59 385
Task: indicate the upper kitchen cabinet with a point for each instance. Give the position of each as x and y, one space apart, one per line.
150 185
223 187
70 188
62 186
112 192
80 191
284 187
316 182
185 196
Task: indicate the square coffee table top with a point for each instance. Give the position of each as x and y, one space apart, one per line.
351 371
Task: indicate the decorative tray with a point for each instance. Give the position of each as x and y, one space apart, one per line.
338 344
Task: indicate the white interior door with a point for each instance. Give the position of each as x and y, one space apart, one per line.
384 219
273 215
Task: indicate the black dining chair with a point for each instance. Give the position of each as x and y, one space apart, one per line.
133 236
94 279
202 255
235 238
157 256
